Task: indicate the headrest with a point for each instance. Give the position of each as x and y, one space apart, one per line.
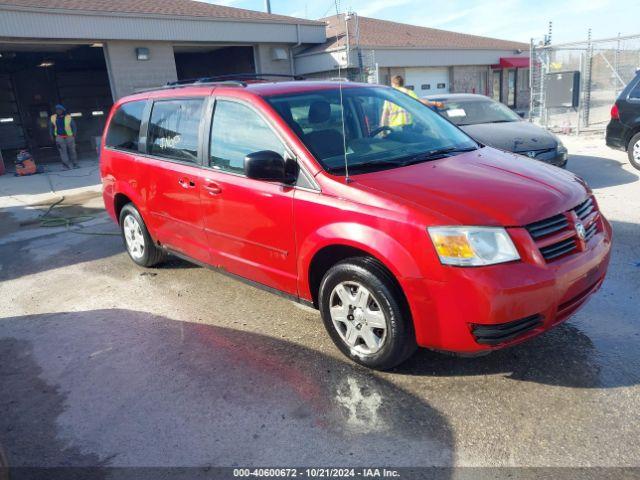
319 112
284 109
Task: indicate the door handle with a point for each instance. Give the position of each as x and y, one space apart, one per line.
186 183
213 188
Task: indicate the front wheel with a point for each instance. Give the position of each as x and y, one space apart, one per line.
365 314
633 151
136 238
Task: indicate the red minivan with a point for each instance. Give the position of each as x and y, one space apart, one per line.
403 233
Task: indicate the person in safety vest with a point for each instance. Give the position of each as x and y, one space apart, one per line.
63 131
395 116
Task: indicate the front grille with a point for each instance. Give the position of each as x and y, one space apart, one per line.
558 249
546 227
503 332
556 236
591 231
584 209
545 154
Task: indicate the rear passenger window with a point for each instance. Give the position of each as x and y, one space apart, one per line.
237 131
124 129
174 128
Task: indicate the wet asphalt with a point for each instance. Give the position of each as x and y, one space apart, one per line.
104 363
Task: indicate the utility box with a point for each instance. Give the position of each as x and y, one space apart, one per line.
562 89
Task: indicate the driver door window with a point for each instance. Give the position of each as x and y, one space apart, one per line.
237 131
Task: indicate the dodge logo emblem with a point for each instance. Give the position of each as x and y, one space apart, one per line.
581 231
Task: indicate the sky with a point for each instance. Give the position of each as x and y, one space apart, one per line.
518 20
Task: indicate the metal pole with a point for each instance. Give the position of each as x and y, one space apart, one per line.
346 26
616 64
531 67
267 5
587 83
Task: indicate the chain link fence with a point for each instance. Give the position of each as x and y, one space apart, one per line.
604 68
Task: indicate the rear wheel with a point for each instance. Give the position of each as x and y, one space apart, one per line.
633 151
365 314
136 238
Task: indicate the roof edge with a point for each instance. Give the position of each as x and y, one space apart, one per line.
279 20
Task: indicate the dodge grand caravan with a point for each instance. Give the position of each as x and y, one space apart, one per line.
403 236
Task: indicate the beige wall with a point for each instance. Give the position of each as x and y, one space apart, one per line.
265 62
127 74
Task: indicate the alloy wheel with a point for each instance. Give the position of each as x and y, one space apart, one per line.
133 237
358 318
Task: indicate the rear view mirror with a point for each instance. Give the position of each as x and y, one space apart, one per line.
265 165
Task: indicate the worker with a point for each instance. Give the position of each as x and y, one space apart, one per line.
25 164
63 131
394 115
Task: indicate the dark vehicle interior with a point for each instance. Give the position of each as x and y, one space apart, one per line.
317 119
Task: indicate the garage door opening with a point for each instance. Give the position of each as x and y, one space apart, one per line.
209 61
33 79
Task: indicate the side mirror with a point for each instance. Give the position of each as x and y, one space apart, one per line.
265 165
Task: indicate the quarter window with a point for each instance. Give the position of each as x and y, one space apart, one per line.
635 92
124 129
237 131
173 129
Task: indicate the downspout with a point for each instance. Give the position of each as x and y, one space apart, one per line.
293 64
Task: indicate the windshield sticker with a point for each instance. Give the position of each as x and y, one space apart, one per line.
456 112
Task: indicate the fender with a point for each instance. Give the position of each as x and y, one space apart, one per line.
378 244
123 187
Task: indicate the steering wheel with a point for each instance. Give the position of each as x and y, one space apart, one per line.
379 130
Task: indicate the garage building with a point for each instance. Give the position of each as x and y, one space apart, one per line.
432 61
88 53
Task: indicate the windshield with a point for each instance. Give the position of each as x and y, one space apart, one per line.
383 128
471 112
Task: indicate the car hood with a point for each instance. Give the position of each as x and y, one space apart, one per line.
482 187
512 136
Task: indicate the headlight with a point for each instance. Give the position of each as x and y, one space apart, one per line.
473 246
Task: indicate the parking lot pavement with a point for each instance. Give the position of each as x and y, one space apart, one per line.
105 363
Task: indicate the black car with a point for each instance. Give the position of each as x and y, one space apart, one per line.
496 125
623 131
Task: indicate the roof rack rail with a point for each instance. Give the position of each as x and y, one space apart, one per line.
231 77
186 83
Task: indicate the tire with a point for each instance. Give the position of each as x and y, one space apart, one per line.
633 151
353 322
139 244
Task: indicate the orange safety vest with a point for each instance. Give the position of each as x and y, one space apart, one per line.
68 131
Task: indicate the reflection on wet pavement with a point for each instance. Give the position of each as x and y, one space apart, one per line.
118 387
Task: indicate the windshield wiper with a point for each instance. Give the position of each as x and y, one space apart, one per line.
436 154
405 161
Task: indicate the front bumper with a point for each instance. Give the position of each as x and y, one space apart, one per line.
448 312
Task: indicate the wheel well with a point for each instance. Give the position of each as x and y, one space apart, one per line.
327 257
119 202
633 133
